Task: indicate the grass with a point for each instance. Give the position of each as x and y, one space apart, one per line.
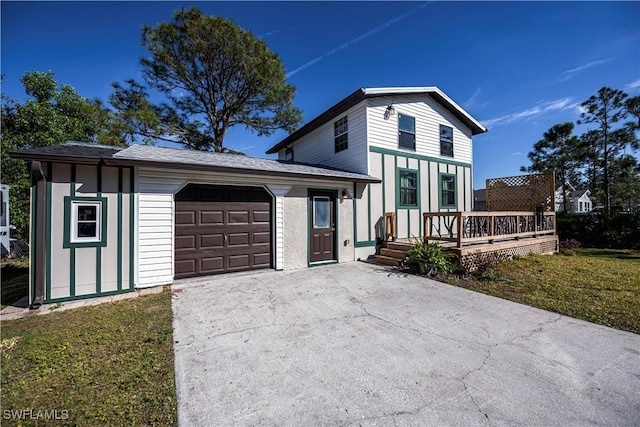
600 286
106 364
14 274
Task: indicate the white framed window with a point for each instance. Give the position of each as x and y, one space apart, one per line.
406 131
446 141
341 134
288 154
85 221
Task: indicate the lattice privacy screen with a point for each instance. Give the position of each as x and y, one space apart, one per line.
521 193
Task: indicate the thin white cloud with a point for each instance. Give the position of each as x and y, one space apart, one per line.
473 98
587 65
543 108
518 153
574 71
633 85
356 40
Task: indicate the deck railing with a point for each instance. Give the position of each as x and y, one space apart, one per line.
471 227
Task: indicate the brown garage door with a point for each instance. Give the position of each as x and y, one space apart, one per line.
220 229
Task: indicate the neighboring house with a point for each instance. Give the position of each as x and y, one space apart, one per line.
107 220
480 200
415 139
579 200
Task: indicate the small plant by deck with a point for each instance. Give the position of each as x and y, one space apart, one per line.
429 258
110 364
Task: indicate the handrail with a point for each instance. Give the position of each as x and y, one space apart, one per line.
390 226
468 227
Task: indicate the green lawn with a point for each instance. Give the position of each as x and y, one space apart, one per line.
107 364
600 286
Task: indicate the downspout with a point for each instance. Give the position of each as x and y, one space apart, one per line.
39 179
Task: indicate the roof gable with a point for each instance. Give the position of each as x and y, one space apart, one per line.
363 93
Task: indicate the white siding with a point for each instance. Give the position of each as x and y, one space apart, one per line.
319 146
429 115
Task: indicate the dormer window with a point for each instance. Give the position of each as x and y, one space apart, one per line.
288 154
446 141
341 134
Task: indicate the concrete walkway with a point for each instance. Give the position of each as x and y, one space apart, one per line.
355 344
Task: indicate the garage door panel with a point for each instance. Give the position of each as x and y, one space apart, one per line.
212 217
238 217
211 241
185 242
238 239
262 260
261 237
263 217
212 265
185 218
237 262
185 267
219 229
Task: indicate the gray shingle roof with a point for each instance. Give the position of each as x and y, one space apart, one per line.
185 159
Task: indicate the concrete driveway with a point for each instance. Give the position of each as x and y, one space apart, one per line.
356 344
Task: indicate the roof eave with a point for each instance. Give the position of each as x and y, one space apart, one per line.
61 158
235 170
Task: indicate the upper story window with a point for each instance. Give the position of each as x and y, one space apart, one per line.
406 131
446 141
341 134
288 154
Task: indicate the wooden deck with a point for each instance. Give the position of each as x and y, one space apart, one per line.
477 237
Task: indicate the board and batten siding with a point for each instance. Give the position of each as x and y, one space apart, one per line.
73 271
378 199
429 115
318 147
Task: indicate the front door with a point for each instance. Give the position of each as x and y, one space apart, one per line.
322 226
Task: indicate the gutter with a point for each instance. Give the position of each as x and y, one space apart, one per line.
39 180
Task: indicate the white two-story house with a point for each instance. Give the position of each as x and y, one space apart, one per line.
416 140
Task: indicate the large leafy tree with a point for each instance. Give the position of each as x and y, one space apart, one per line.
605 110
50 115
213 75
557 151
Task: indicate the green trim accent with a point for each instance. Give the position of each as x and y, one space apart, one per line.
369 212
32 257
455 183
77 297
398 204
119 249
355 213
67 223
47 273
420 205
131 226
464 189
412 155
321 263
384 198
365 244
395 187
72 250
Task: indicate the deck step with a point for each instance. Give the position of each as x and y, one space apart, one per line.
393 253
400 246
386 260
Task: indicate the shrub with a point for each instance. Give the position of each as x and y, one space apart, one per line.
570 244
615 231
429 258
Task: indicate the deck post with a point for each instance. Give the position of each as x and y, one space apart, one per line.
459 216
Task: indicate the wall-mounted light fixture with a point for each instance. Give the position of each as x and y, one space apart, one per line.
390 111
344 194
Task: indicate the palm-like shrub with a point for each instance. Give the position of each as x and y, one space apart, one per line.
429 258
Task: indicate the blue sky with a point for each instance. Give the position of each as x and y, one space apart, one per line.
518 67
